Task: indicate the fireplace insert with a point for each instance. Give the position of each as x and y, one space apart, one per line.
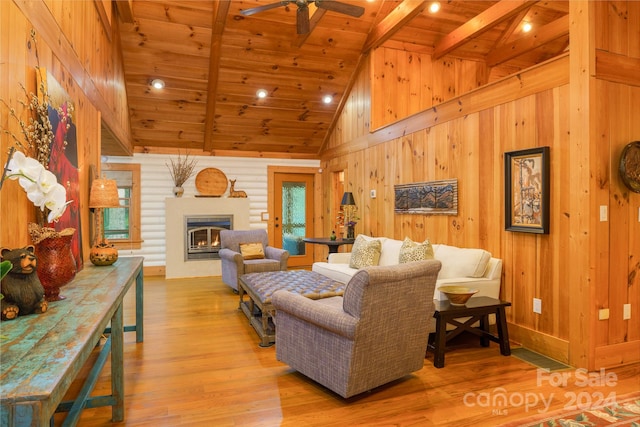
202 235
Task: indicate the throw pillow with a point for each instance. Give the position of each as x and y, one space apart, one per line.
364 253
252 250
413 251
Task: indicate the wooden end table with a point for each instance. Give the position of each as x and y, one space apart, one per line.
475 310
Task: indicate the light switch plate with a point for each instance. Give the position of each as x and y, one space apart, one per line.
603 314
603 213
626 312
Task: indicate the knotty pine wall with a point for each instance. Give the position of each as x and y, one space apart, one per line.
77 46
465 137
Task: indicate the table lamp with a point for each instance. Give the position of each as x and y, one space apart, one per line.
348 204
104 194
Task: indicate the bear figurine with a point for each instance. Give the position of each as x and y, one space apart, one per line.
21 289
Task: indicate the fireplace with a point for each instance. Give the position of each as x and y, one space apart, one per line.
202 235
179 208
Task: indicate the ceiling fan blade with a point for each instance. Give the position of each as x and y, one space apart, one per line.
302 20
254 10
335 6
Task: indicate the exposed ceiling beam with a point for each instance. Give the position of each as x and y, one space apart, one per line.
221 9
315 18
398 17
494 15
513 26
533 40
125 10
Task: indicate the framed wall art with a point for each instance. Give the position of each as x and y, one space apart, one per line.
427 198
527 190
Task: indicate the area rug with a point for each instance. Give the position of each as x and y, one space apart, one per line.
624 412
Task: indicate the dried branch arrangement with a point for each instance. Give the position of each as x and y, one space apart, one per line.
181 169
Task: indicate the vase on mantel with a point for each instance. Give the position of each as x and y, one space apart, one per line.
56 264
178 191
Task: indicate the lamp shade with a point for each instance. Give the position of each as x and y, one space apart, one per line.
347 199
104 194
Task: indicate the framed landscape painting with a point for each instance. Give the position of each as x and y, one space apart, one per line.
527 190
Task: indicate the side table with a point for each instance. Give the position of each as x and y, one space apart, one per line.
332 244
476 309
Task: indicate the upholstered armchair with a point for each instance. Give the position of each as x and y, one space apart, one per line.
233 263
376 333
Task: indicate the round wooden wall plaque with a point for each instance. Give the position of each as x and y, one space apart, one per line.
630 166
211 182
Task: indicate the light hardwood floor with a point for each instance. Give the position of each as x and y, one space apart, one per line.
200 365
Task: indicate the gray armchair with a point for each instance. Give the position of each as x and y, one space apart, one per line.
376 333
234 265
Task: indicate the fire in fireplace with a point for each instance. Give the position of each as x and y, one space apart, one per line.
202 235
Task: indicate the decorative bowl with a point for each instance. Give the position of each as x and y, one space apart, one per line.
458 295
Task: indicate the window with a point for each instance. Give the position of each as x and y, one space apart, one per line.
122 224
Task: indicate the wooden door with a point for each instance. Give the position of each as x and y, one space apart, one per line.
293 215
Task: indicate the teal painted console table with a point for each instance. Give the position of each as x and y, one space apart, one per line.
40 355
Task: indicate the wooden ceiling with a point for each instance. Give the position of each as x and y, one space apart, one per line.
213 60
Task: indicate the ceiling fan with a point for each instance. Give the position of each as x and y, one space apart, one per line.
302 15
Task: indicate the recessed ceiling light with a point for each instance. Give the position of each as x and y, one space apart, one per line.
526 27
262 93
434 7
157 83
327 99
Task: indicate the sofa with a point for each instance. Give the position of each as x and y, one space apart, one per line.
471 267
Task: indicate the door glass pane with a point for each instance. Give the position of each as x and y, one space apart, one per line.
294 217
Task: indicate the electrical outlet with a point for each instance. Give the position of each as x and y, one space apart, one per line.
603 213
626 312
372 193
537 305
603 314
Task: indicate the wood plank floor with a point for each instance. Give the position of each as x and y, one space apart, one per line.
200 365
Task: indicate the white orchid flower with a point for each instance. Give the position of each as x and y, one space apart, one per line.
23 167
47 181
56 202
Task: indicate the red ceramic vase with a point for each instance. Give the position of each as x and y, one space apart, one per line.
56 265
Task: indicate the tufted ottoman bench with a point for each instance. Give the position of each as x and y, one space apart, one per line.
260 286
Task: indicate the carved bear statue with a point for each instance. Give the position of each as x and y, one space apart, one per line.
22 291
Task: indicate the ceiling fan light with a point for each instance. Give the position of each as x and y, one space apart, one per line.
262 93
434 7
327 99
157 83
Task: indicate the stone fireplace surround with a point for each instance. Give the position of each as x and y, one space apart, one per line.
176 209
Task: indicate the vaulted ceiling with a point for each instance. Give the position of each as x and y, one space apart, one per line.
213 59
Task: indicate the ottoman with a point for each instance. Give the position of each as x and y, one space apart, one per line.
260 286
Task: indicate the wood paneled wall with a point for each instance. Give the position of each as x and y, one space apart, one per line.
83 56
465 137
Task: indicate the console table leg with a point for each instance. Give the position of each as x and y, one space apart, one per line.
117 365
140 306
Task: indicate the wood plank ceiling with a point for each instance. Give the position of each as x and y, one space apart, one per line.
213 60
